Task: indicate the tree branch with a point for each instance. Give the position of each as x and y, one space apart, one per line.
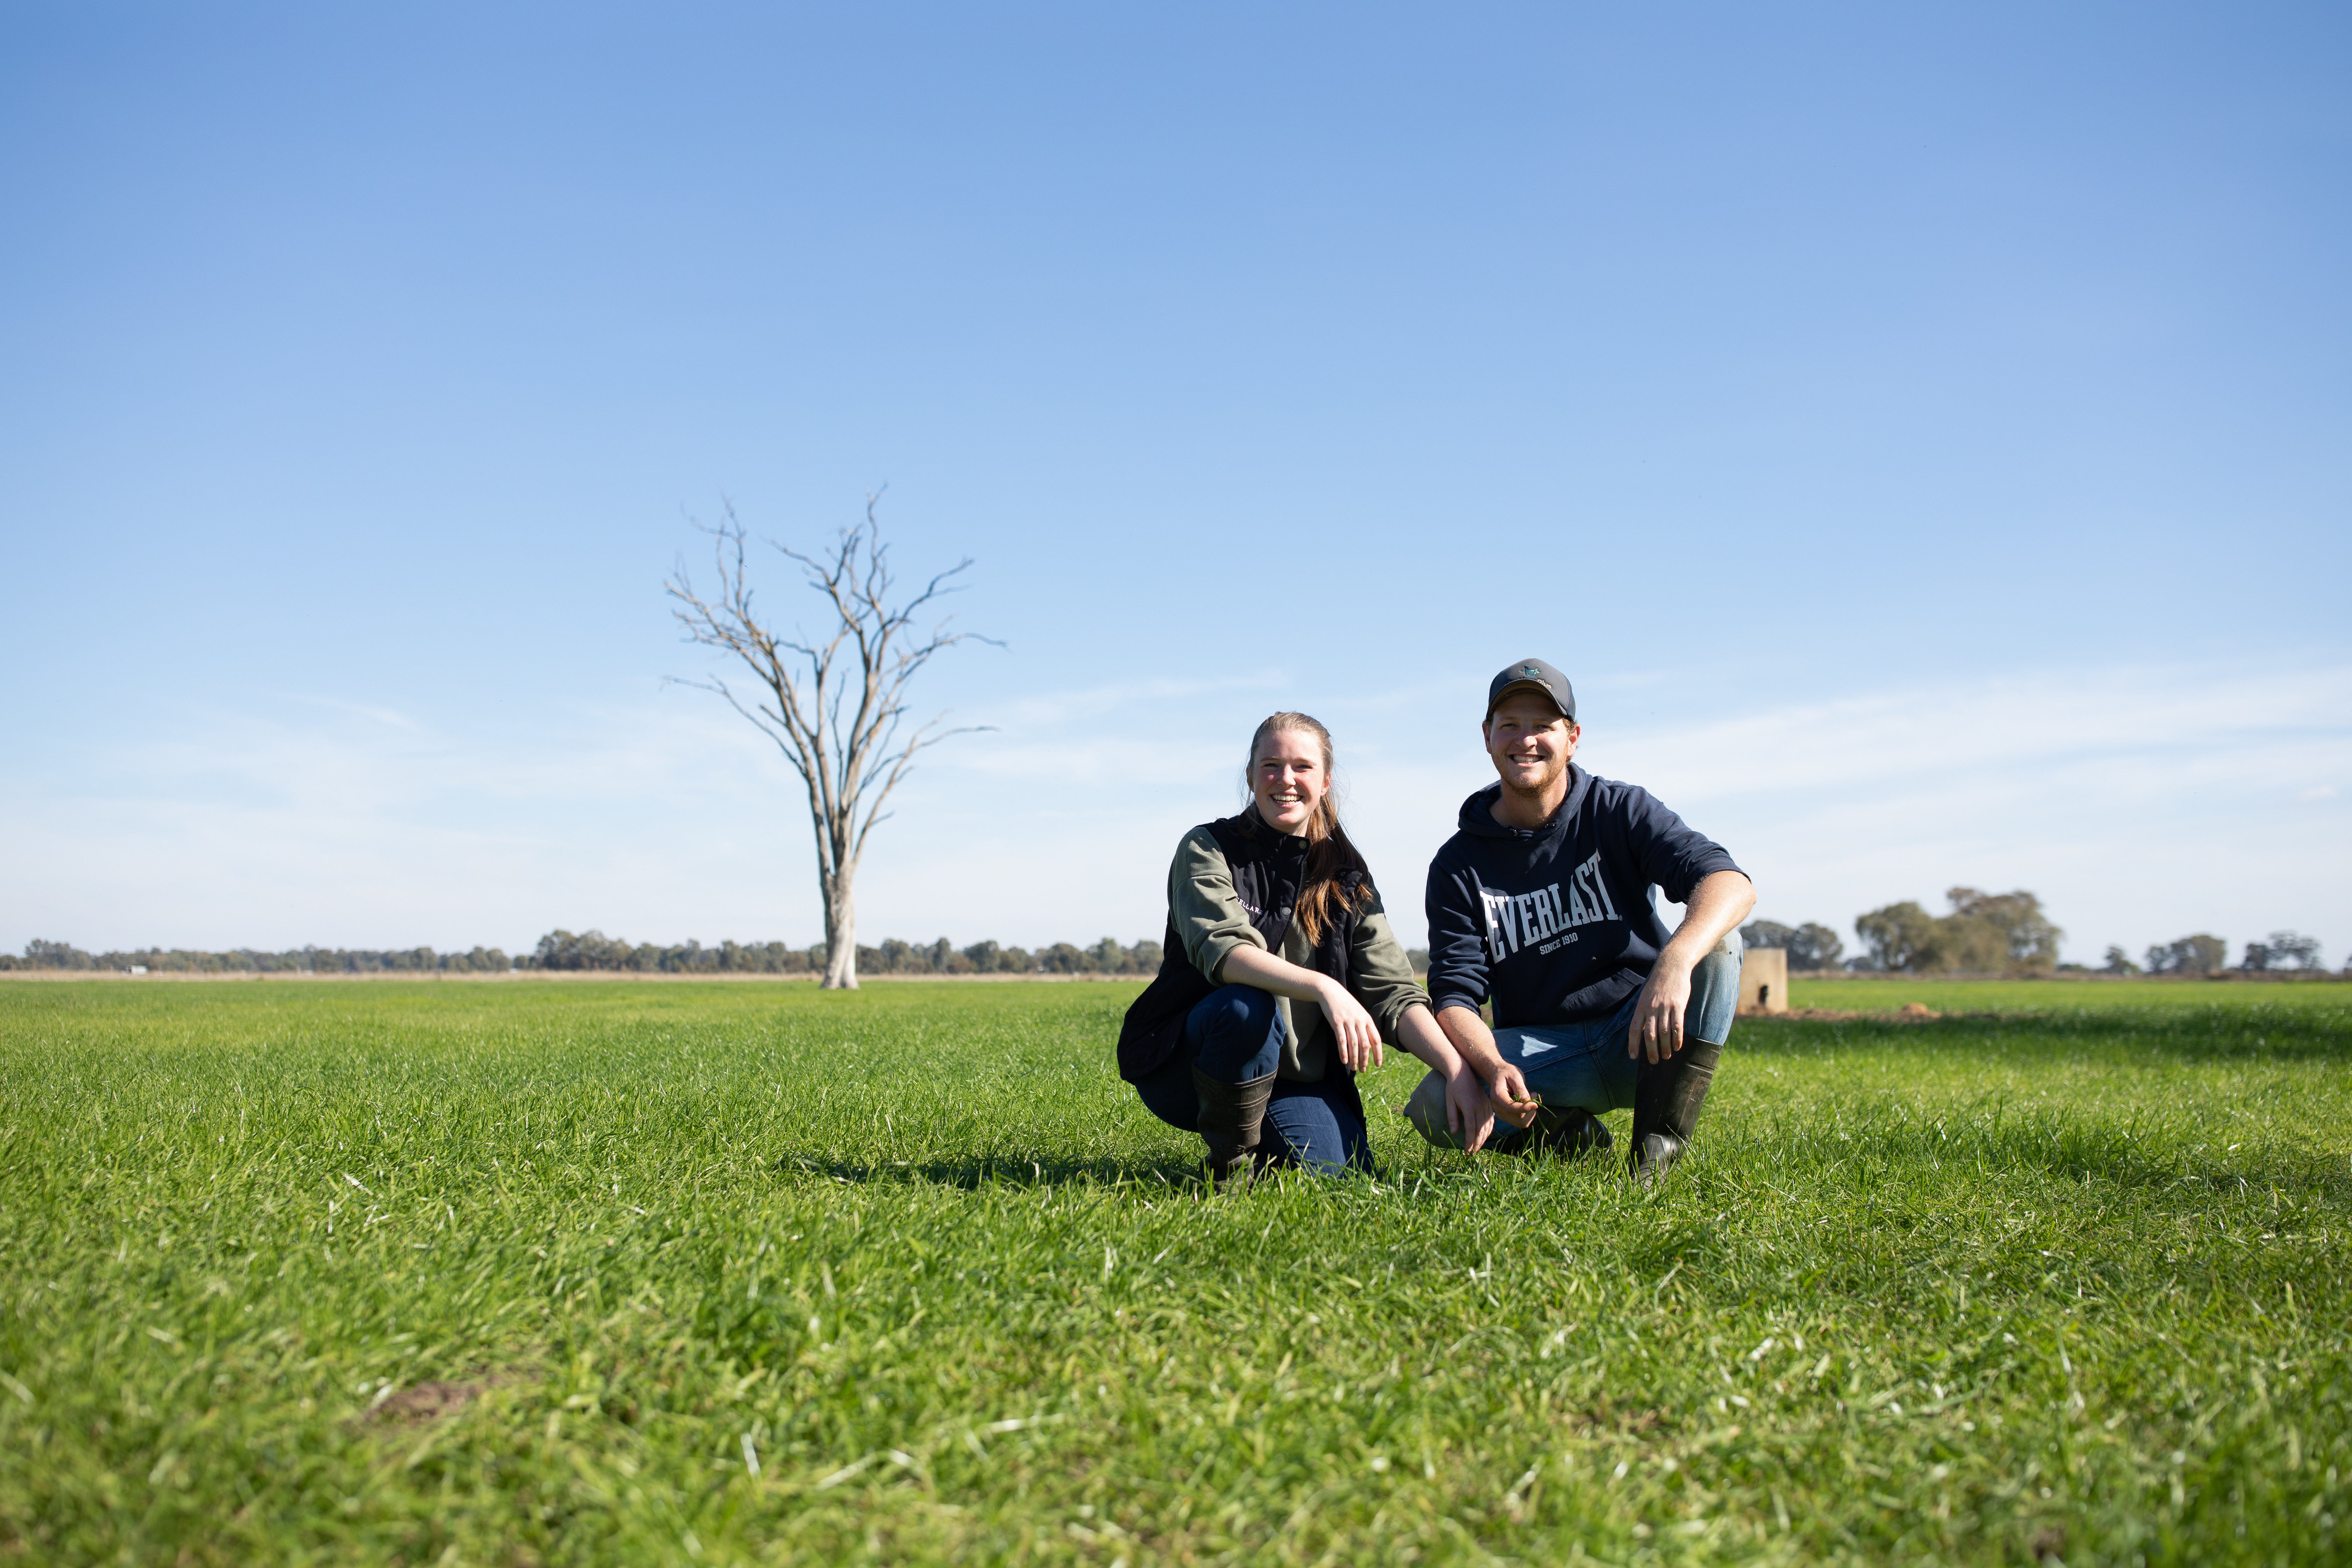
845 744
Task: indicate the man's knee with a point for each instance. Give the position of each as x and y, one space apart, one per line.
1715 992
1426 1111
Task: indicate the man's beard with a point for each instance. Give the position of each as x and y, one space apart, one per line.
1543 782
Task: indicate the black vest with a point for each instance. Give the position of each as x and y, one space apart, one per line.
1268 870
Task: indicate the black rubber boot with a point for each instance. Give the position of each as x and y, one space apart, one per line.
1665 1107
1568 1131
1233 1118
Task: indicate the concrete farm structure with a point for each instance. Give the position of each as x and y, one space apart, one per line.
1764 980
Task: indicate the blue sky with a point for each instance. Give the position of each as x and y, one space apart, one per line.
1921 433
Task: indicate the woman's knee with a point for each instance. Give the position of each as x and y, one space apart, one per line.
1167 1094
1320 1136
1234 1030
1238 1009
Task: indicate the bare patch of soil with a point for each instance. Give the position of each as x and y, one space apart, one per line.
424 1402
1604 1420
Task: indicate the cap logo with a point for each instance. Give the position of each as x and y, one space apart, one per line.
1530 669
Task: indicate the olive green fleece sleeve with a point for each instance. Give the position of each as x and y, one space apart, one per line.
1379 975
1202 906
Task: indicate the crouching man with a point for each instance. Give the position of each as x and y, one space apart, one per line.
1540 902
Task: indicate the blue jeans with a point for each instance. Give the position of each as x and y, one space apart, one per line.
1234 1035
1584 1064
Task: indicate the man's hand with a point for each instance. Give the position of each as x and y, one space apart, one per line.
1506 1092
1471 1108
1718 904
1657 1027
1513 1100
1359 1036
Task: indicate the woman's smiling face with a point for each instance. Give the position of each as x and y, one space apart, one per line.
1289 779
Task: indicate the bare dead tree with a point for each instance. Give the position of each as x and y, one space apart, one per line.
835 705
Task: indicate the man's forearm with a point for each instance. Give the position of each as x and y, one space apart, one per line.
1720 902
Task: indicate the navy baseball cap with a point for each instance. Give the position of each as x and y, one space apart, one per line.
1533 675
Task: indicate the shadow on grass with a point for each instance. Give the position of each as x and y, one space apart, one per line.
1662 1250
1006 1170
2179 1034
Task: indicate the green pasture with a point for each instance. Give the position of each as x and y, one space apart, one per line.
1871 993
517 1273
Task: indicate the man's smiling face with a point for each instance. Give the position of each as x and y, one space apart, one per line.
1529 741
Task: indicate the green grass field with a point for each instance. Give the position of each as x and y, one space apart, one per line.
1872 994
529 1272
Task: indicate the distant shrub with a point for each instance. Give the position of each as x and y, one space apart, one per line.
2204 953
1985 934
2281 950
1809 946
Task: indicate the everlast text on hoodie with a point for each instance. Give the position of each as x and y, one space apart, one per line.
1555 924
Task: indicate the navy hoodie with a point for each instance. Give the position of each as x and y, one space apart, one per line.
1555 923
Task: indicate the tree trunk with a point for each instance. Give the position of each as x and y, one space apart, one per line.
847 772
840 934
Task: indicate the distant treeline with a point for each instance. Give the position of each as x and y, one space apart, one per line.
2008 933
251 961
1985 934
593 950
2283 951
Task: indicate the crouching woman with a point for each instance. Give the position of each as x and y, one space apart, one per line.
1281 979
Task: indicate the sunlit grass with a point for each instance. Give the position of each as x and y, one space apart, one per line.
1974 1290
1873 992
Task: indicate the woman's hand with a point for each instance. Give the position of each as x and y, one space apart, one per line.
1469 1112
1359 1036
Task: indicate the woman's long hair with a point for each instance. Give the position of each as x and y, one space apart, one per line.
1329 855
